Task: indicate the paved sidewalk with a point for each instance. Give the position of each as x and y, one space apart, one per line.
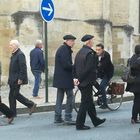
26 90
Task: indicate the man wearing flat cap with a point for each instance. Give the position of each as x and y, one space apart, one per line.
84 77
63 79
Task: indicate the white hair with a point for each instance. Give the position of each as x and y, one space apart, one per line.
16 42
38 42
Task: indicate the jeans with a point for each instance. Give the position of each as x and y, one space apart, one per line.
103 85
37 76
69 104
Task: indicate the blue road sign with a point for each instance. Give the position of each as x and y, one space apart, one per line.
47 10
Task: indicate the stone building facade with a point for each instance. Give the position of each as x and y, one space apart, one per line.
115 23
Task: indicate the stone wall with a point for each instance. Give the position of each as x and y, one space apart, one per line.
101 29
112 22
122 43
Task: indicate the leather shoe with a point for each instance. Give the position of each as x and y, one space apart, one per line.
58 121
83 128
10 120
103 106
99 122
32 109
70 122
135 121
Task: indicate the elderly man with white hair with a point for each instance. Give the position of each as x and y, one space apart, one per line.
37 64
18 77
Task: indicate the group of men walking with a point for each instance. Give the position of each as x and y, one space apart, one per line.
83 73
88 66
18 76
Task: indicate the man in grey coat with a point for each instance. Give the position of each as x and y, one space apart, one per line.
63 79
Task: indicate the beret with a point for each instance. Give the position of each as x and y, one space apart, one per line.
67 37
86 38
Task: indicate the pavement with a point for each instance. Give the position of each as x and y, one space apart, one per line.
40 126
42 105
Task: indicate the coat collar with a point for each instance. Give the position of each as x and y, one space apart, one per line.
85 46
69 48
16 52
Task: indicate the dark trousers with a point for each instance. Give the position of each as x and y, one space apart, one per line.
86 106
136 106
5 110
15 95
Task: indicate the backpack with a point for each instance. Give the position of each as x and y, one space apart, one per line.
126 76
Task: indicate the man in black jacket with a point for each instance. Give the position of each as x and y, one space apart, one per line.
18 77
105 70
63 79
85 76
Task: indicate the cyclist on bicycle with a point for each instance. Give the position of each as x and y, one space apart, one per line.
105 71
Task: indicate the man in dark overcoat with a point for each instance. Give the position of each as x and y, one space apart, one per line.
63 79
18 77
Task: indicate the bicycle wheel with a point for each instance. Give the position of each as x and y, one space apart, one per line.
77 99
114 101
115 93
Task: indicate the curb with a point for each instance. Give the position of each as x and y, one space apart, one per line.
47 108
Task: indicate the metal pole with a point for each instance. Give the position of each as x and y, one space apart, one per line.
0 81
46 61
139 16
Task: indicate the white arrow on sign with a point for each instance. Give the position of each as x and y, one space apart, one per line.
48 9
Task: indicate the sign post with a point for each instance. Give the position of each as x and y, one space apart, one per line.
47 14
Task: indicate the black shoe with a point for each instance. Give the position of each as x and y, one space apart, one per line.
99 101
59 121
103 106
99 121
10 120
70 122
83 128
135 121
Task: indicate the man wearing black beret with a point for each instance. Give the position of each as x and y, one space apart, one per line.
63 79
85 75
69 37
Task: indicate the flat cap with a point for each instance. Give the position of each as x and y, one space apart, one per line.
86 38
67 37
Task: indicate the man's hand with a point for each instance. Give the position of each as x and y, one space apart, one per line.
19 82
76 82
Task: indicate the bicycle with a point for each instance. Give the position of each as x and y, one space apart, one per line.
114 94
